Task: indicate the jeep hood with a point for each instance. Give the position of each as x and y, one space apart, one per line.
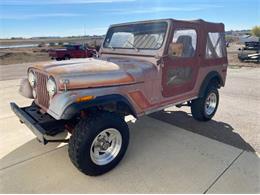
90 72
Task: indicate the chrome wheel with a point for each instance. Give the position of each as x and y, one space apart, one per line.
106 146
211 104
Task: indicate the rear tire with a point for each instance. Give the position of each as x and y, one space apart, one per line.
67 57
90 147
204 108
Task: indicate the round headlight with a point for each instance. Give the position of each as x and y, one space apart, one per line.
32 79
51 87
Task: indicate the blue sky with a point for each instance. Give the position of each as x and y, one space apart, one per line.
28 18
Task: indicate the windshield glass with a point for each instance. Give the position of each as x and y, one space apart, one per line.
136 36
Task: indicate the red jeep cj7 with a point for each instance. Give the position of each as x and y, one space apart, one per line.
143 67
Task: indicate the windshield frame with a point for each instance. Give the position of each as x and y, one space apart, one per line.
132 48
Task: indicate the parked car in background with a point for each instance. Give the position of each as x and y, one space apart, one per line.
250 53
249 57
72 51
253 45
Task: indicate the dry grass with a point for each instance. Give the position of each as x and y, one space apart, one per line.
21 55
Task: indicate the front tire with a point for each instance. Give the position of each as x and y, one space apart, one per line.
204 108
98 143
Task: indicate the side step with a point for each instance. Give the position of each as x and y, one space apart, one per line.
183 104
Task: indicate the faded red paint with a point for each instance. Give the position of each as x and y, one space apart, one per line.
140 99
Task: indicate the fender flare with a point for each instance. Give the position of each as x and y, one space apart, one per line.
208 79
75 108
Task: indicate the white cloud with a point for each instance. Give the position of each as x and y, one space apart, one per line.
55 32
148 10
55 2
43 15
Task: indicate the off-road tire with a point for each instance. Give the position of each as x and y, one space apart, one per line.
84 134
198 105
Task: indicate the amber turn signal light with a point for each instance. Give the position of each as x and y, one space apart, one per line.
84 98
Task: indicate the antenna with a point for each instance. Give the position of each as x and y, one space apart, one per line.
84 30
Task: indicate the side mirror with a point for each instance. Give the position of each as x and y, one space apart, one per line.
160 59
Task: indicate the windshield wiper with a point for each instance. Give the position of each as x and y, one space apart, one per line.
136 49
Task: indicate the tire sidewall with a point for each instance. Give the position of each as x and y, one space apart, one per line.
85 162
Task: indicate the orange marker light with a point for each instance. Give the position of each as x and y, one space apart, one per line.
84 98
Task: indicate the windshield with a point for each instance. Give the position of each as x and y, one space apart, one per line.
136 36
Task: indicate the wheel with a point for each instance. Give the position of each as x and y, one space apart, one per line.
204 108
98 143
67 57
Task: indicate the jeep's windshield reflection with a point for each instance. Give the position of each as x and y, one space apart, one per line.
136 36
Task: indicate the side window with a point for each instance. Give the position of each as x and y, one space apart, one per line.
215 47
183 44
81 47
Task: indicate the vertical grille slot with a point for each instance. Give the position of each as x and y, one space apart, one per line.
41 90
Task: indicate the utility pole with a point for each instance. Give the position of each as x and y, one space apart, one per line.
84 36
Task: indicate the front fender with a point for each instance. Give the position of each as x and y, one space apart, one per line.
75 108
64 105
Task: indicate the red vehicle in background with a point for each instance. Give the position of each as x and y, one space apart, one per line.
72 51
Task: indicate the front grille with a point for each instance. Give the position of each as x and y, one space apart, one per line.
41 89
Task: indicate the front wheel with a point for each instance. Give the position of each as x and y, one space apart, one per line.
204 108
98 143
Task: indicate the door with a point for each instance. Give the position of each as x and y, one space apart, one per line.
79 51
181 64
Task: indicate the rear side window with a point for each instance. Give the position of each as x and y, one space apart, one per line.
215 45
183 44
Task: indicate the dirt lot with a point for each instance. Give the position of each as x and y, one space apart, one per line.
233 60
23 55
36 54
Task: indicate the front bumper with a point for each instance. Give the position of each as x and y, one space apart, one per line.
41 125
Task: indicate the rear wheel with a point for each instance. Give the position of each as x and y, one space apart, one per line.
204 108
67 57
98 143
